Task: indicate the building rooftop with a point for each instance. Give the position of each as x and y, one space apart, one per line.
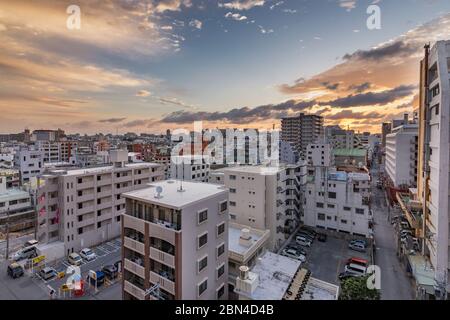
349 152
171 197
238 251
275 275
263 170
12 194
102 169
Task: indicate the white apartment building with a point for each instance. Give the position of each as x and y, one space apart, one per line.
339 201
30 163
288 154
177 240
267 198
319 154
6 160
401 155
11 177
190 168
83 207
15 208
434 167
340 138
56 151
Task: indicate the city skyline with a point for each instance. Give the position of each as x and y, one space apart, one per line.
148 66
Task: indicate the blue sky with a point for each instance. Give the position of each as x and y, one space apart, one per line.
141 61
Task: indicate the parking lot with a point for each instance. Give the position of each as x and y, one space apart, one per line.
326 260
33 287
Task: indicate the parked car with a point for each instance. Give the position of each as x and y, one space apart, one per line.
305 235
74 259
303 241
308 229
118 265
322 237
110 272
358 261
294 254
87 254
15 270
30 243
25 253
47 273
357 246
299 248
362 241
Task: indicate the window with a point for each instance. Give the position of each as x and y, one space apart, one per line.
232 177
232 204
435 91
321 216
332 195
223 206
344 221
202 240
221 291
448 64
80 180
347 209
202 263
220 250
220 270
331 206
202 287
232 190
319 205
202 216
220 229
359 211
80 230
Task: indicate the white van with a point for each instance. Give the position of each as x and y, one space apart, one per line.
355 269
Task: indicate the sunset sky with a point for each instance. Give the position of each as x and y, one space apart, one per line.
146 66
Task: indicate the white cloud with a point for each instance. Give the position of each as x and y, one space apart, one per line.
196 24
265 31
235 16
143 93
347 4
242 4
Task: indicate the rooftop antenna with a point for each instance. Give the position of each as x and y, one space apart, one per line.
182 176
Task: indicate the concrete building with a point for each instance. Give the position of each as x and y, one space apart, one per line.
30 163
349 157
386 128
319 155
11 177
83 207
302 130
245 245
288 154
56 151
401 155
339 138
433 165
267 198
190 168
16 208
275 277
6 160
177 239
339 201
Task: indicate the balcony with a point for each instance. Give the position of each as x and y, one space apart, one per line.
134 290
123 179
86 222
85 185
104 182
86 197
135 267
84 210
163 280
412 210
162 257
134 245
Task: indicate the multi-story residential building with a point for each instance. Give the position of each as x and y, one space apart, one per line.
190 168
47 135
401 155
339 138
175 242
11 177
30 163
83 207
265 197
288 154
339 201
386 128
349 157
16 208
433 165
245 245
6 160
302 130
56 151
319 155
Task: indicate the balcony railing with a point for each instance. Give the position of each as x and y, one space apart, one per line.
137 269
163 281
134 245
162 257
134 290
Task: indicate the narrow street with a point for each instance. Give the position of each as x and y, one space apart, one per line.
395 284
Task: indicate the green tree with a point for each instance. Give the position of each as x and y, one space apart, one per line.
356 289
